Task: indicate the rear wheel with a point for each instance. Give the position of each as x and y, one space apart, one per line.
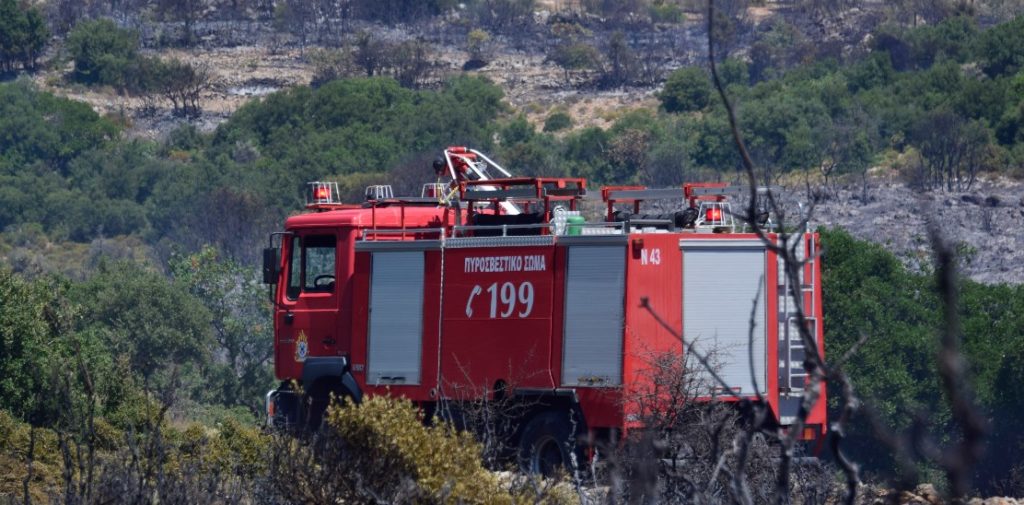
547 445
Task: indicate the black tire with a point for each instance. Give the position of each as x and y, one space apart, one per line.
547 444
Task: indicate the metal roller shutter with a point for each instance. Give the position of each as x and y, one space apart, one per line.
396 318
594 291
719 285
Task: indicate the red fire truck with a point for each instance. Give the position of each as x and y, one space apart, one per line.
489 286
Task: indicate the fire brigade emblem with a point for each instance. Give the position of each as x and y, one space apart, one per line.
301 347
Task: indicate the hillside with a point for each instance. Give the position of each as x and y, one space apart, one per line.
245 65
147 148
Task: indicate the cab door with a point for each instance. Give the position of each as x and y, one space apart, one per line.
307 318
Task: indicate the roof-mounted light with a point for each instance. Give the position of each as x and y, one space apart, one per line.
715 215
322 193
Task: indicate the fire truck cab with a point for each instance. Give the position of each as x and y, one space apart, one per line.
498 288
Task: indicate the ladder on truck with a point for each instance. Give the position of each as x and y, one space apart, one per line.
792 351
477 170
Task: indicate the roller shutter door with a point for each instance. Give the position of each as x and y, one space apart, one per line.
594 297
396 318
720 282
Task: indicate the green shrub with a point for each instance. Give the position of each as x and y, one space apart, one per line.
686 90
23 35
662 11
1001 48
15 438
102 52
557 121
231 448
387 436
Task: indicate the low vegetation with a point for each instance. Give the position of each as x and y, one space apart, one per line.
138 392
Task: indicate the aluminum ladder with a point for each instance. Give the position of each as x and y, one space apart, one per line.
791 350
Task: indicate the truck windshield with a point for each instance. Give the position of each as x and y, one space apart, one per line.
311 265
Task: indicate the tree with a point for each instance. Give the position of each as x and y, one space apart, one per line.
631 13
28 337
295 17
153 324
23 35
620 60
410 62
478 45
183 83
778 49
558 120
399 11
42 128
370 54
329 65
1002 48
64 15
629 152
574 57
951 147
852 144
505 16
686 90
240 320
188 12
102 52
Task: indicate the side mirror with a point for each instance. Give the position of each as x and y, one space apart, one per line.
271 265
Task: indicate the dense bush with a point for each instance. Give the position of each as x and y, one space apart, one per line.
103 52
686 90
869 292
23 35
557 121
42 129
1001 48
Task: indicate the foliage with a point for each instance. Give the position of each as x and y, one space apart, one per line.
102 52
23 35
665 11
686 90
389 435
239 317
157 326
28 324
41 128
574 56
920 48
557 121
382 452
827 115
15 441
477 42
1002 48
869 292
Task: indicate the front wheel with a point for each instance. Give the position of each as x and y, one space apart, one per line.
547 445
316 401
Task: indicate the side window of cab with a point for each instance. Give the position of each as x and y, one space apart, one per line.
311 265
319 263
